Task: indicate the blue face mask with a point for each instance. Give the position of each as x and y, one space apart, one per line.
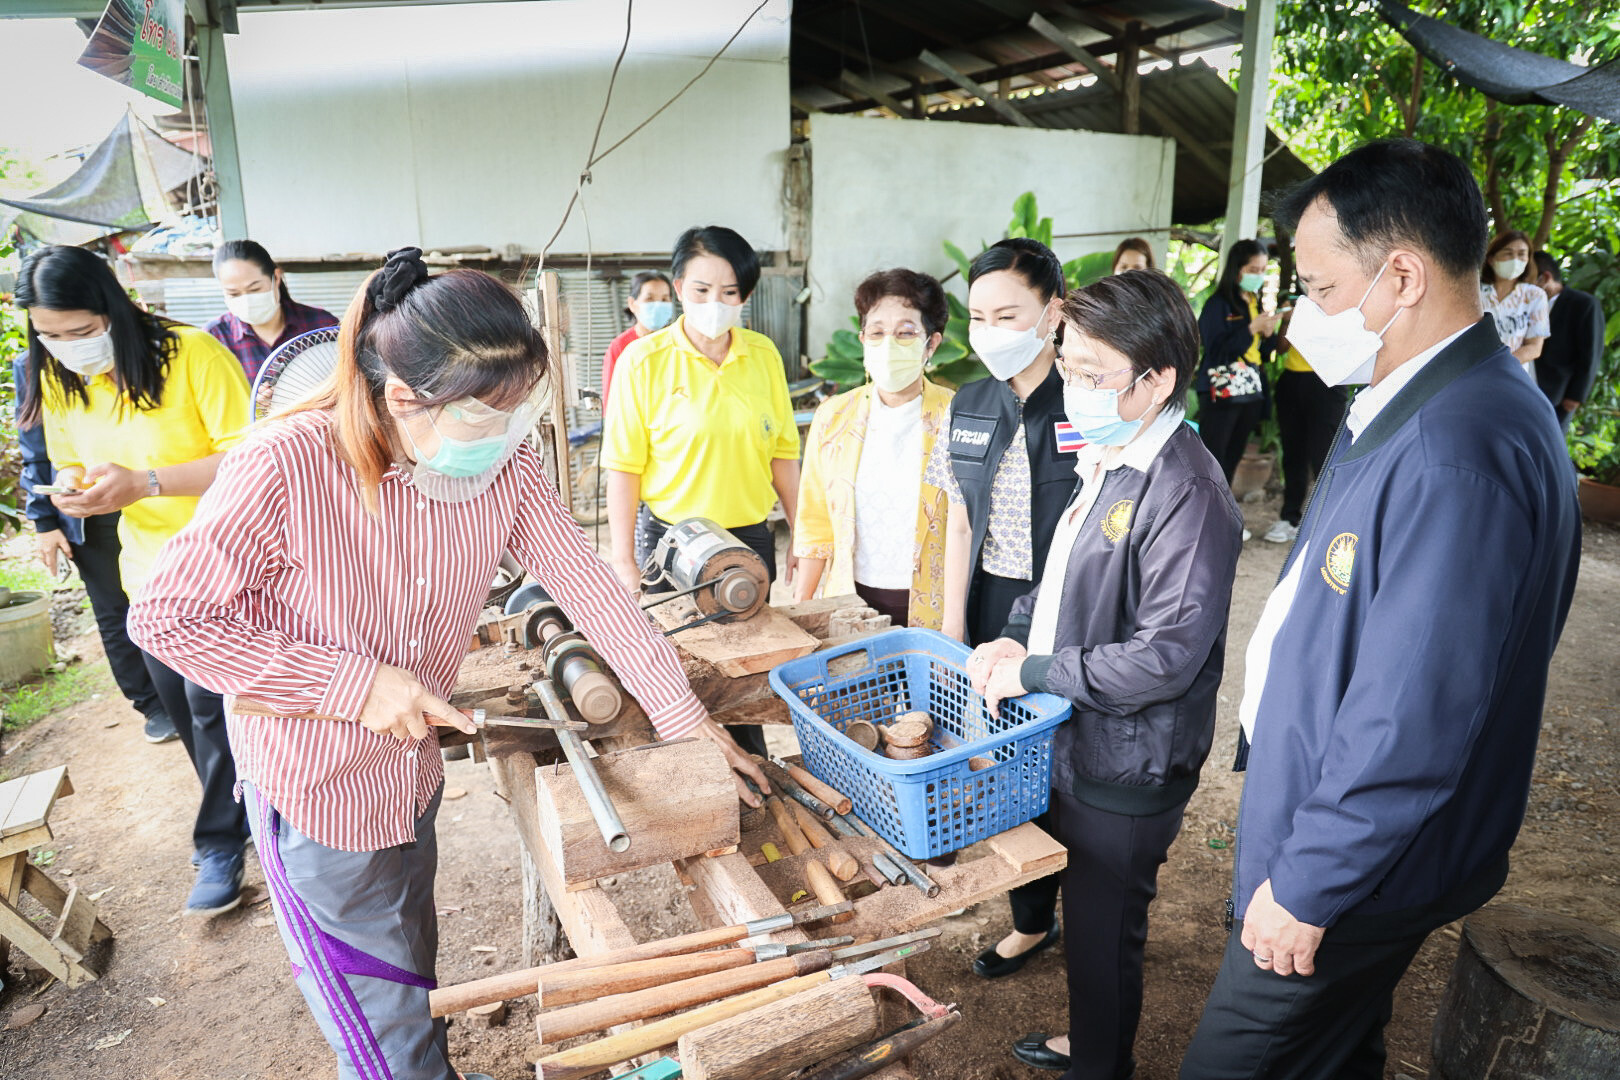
656 314
461 458
1094 414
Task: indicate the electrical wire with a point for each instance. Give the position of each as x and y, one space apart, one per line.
594 158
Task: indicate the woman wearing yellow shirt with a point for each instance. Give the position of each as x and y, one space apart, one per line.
137 413
868 521
700 423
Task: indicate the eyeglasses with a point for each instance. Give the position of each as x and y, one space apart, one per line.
1089 381
904 334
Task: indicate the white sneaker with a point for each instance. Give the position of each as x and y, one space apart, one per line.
1281 533
1247 536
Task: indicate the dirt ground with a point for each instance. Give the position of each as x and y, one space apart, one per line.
191 999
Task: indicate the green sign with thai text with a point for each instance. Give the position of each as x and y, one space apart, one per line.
141 43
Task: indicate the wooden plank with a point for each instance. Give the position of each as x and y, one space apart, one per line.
983 93
78 920
18 843
1029 849
18 930
736 649
29 806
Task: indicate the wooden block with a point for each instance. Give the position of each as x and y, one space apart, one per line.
676 800
813 616
772 1041
25 803
1028 849
754 645
487 1016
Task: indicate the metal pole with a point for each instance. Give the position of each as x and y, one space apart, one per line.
1249 124
222 132
590 781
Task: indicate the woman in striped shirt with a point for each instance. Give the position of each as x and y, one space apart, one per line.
335 570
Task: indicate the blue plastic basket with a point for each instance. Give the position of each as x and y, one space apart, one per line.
935 804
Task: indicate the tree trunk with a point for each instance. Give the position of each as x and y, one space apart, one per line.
1558 151
1533 996
1415 101
1493 179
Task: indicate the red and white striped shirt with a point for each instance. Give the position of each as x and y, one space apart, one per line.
284 589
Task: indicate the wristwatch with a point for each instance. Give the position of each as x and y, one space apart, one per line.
152 485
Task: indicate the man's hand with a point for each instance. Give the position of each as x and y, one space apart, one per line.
742 764
790 567
1004 683
106 487
1569 405
52 546
1279 942
398 701
987 656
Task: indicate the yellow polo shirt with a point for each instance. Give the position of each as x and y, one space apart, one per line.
701 436
1293 361
204 409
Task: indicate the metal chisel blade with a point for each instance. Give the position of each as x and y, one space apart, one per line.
881 960
886 943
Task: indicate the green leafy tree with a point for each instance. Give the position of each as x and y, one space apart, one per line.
1344 77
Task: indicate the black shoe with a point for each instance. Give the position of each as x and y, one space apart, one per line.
992 965
1033 1051
159 728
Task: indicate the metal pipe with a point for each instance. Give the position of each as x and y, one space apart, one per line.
923 882
590 781
887 867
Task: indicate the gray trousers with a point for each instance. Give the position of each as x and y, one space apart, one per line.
360 929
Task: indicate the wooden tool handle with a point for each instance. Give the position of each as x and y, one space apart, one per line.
248 707
875 1056
605 1012
588 984
582 1061
796 842
839 860
821 882
451 999
827 794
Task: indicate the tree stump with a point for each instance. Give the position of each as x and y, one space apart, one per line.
1533 996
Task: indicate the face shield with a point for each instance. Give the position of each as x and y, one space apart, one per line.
462 446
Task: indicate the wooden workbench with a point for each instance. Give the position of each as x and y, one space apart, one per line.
728 889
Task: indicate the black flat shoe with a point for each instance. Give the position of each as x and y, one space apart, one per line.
992 965
1033 1051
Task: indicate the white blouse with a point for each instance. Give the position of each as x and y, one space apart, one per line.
888 487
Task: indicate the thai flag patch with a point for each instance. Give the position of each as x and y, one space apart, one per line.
1068 439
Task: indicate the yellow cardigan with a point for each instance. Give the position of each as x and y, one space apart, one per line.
824 527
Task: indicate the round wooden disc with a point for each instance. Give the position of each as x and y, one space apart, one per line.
863 734
907 753
907 732
740 557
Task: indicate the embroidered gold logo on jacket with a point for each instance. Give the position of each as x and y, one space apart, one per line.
1340 561
1117 522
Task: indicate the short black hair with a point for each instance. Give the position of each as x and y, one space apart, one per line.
1145 316
1400 191
1029 259
253 252
722 243
911 288
1547 264
641 278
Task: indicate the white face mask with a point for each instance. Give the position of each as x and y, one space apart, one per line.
713 318
83 356
1509 269
893 365
1005 352
1340 348
254 308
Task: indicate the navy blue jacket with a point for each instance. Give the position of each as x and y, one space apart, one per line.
37 469
1397 728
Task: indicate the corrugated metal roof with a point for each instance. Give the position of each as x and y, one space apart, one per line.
988 40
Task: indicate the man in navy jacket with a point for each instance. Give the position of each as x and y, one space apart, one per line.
1396 678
